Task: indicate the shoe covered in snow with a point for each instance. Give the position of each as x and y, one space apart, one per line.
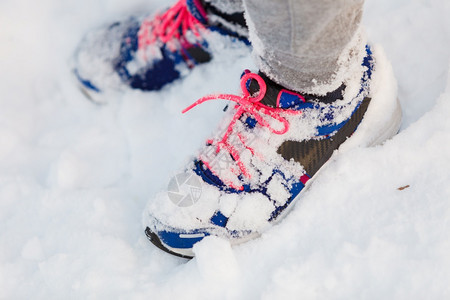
148 53
269 147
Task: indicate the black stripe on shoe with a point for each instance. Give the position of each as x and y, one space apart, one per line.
313 154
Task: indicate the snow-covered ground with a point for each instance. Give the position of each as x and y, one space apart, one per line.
75 177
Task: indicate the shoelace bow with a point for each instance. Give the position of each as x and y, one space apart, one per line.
251 105
172 24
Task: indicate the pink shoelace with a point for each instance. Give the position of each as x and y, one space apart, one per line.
172 24
251 105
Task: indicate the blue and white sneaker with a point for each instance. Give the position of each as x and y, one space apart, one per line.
269 147
148 53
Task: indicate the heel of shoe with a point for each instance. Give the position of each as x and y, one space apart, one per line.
391 127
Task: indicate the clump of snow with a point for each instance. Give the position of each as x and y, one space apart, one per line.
215 260
252 213
77 231
277 191
228 203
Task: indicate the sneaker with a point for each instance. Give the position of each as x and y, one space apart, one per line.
270 146
148 53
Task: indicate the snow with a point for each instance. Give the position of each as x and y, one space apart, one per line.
75 177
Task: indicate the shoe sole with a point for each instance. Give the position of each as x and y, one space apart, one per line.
91 95
153 237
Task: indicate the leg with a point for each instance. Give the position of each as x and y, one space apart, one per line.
305 45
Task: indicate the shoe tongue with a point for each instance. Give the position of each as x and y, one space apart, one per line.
276 96
279 97
270 98
197 10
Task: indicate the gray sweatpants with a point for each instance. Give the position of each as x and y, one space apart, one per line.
304 45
